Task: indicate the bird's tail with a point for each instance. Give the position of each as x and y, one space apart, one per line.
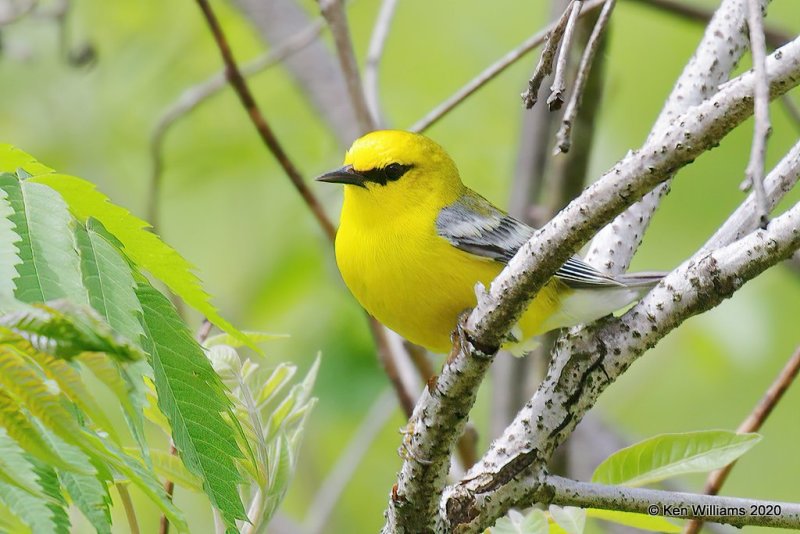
642 282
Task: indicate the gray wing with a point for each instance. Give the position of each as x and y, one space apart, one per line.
474 225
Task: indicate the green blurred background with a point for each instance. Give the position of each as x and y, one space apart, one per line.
228 208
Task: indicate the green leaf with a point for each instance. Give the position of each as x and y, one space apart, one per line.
145 248
669 455
15 468
88 492
49 268
112 293
12 158
194 400
9 253
652 523
19 427
535 522
70 383
10 522
127 384
65 330
48 481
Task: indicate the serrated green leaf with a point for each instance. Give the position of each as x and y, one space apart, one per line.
651 523
49 268
669 455
66 330
70 383
569 518
112 293
15 468
88 492
9 253
17 424
10 522
12 158
127 384
534 522
171 468
232 341
194 400
145 248
48 481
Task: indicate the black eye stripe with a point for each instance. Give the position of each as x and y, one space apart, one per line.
384 175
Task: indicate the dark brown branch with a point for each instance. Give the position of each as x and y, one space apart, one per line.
239 84
752 423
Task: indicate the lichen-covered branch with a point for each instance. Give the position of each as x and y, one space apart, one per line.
723 43
584 365
727 510
677 144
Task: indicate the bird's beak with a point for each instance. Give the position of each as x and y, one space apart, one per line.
343 175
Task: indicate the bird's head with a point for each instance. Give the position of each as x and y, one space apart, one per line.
394 170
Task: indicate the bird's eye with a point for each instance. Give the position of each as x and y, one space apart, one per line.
394 171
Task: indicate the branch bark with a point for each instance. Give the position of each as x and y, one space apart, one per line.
740 512
413 502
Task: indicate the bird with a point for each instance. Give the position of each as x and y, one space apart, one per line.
413 241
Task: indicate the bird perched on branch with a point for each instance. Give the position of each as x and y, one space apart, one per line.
413 241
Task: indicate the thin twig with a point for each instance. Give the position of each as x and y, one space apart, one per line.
491 72
775 37
761 130
564 135
377 44
556 98
333 11
130 511
257 118
196 95
752 423
239 84
545 65
331 489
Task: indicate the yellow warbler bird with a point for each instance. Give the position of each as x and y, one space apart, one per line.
413 241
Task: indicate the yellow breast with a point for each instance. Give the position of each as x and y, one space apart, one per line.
414 281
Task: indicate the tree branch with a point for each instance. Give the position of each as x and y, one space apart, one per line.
491 72
195 95
761 130
723 43
741 512
564 134
584 365
556 98
679 143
